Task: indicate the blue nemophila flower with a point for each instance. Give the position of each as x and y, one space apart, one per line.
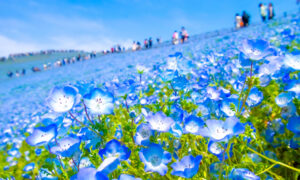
176 130
287 32
168 75
119 133
99 102
213 93
244 60
45 174
293 86
193 124
225 93
295 141
274 127
187 167
67 146
203 78
269 69
159 121
85 162
255 97
226 106
29 167
217 149
109 165
264 80
292 61
179 82
42 135
89 173
283 99
155 159
177 55
288 111
127 177
114 149
294 124
91 138
26 176
219 130
242 173
86 134
14 152
205 112
38 152
176 144
256 49
142 135
62 99
176 113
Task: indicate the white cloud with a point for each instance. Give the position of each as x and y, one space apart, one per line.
58 32
9 46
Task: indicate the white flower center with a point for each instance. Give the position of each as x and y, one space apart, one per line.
155 160
98 102
145 133
215 148
192 127
220 133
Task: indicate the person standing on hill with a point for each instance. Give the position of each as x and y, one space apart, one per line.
158 40
245 18
146 43
138 45
263 11
175 38
238 21
10 74
184 35
270 11
134 46
150 42
23 71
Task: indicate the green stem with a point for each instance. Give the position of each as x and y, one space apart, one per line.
228 152
99 118
240 96
86 113
82 124
248 90
132 120
275 175
274 161
173 89
266 169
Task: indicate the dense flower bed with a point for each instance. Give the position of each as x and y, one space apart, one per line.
231 112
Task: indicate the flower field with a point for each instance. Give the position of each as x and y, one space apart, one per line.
222 107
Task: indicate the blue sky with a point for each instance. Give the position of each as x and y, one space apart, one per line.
32 25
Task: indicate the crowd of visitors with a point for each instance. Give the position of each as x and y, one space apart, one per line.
183 35
58 63
266 11
242 21
148 43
